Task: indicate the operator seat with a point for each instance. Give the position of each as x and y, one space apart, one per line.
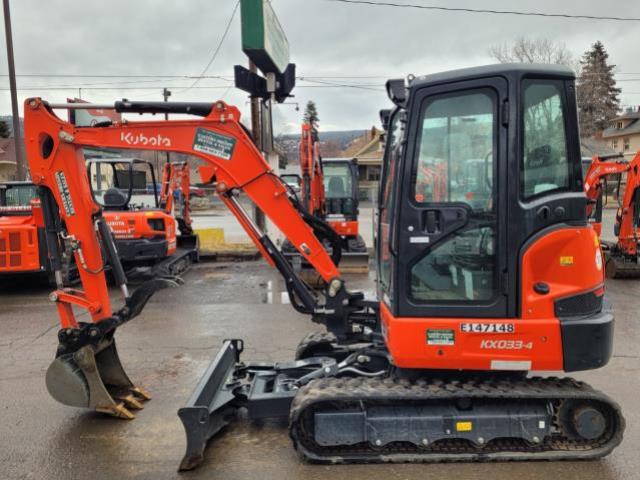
336 195
115 199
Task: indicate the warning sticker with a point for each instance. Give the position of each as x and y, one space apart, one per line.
566 261
441 337
213 143
63 188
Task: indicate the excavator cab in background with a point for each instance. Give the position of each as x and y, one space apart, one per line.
140 213
479 282
341 201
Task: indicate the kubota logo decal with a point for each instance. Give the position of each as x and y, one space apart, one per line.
142 139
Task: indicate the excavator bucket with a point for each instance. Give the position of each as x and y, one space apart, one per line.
93 377
87 372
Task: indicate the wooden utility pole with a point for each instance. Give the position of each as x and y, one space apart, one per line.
258 215
166 93
21 171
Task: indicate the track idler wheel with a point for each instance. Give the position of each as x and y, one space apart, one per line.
583 421
93 377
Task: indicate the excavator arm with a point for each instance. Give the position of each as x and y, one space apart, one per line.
600 168
176 177
231 161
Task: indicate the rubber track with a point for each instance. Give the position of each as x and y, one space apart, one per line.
319 394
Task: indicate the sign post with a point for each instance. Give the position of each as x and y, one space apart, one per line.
263 39
266 45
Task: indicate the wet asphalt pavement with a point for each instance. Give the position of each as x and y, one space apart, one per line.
168 347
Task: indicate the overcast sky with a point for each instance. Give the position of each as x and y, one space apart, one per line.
327 39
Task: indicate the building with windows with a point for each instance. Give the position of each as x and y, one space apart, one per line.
7 159
368 151
623 134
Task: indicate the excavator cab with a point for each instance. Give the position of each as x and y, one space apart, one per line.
341 188
482 168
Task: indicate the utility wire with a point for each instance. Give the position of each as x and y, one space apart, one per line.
487 11
217 50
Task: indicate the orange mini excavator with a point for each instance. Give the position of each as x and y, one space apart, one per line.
150 236
622 256
329 191
473 291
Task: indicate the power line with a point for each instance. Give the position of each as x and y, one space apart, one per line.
217 50
487 11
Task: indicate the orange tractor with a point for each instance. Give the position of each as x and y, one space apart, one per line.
473 291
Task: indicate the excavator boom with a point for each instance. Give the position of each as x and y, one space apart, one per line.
232 161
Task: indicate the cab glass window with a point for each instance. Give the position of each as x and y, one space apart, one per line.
455 159
545 163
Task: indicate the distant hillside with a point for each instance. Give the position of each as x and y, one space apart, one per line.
331 143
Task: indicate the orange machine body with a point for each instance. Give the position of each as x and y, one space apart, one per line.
19 245
344 228
568 260
143 224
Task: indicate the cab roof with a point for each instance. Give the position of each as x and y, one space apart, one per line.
512 70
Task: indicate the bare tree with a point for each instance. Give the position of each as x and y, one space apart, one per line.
534 50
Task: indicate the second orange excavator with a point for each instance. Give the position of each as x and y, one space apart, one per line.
151 237
329 192
622 255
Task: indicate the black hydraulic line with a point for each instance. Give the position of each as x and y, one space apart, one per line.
201 109
52 227
111 253
296 288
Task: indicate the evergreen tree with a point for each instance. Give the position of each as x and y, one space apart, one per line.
4 129
311 116
598 96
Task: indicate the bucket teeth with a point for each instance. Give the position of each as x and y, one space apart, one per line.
116 410
141 393
131 402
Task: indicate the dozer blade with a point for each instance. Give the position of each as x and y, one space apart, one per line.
265 389
93 377
209 408
354 262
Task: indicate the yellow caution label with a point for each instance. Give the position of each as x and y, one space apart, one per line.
464 426
566 260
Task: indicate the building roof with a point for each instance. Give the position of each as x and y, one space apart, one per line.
366 149
7 150
633 128
590 147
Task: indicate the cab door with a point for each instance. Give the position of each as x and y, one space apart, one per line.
450 230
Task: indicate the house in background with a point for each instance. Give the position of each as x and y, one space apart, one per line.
368 151
623 134
7 159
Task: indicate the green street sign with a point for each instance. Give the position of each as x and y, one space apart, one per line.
263 39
